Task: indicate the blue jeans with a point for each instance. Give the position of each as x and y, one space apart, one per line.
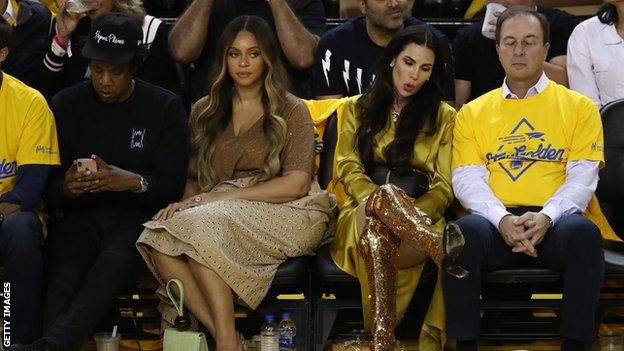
573 246
21 254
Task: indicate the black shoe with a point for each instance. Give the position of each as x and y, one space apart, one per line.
453 245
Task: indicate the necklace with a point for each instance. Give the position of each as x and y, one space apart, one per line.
396 111
395 116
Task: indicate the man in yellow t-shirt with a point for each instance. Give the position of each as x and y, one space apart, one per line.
28 149
525 164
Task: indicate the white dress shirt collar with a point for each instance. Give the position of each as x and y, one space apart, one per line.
610 35
540 86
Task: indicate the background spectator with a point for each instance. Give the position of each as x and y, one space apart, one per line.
296 23
65 66
346 56
596 55
32 32
28 148
477 68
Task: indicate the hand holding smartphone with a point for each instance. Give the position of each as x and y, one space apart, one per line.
86 164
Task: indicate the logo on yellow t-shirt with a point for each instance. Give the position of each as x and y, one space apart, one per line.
8 169
42 149
522 148
597 147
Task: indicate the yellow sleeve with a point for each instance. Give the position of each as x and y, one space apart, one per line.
51 5
435 201
38 142
350 169
474 8
465 147
587 139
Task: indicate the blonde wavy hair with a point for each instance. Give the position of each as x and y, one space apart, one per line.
215 117
132 8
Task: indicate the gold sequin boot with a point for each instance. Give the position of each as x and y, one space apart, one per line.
395 209
379 249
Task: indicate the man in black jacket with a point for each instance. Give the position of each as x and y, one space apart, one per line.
137 135
32 29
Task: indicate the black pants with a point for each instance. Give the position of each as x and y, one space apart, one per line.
91 257
573 246
20 251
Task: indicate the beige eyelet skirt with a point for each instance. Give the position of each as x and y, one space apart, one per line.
242 241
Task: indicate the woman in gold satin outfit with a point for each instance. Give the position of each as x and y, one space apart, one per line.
397 131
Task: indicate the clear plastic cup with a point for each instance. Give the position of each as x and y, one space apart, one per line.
80 6
611 342
106 342
257 342
491 8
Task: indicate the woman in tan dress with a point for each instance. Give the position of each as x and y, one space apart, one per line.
249 202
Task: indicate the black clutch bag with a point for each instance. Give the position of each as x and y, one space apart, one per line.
413 181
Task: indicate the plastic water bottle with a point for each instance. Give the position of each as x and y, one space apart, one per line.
269 334
287 333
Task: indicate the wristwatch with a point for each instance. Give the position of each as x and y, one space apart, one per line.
144 185
550 221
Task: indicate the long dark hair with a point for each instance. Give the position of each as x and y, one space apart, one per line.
608 14
215 117
420 114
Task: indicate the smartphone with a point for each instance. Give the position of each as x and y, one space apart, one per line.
86 164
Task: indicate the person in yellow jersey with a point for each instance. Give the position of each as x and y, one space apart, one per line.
525 164
28 148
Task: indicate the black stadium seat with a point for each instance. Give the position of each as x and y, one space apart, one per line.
610 188
327 277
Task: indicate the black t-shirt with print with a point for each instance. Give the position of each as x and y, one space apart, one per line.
310 12
476 59
346 59
146 134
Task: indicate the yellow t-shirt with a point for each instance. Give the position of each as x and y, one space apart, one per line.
27 130
526 144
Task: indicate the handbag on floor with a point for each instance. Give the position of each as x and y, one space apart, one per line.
178 338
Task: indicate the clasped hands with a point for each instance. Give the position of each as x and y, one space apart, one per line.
524 232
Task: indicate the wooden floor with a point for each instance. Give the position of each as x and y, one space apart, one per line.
409 345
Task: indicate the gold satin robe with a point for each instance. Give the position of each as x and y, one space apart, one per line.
432 154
